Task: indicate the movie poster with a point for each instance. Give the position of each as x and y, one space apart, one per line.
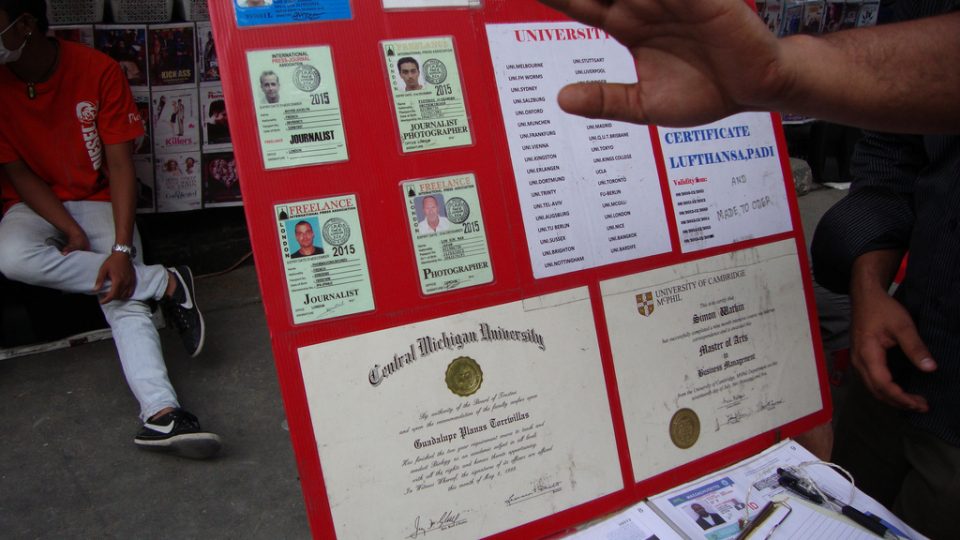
172 59
77 33
178 182
176 120
207 53
221 184
143 145
213 111
127 45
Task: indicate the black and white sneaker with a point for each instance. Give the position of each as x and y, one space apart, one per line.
181 309
178 432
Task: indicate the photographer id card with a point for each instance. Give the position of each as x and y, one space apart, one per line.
427 94
324 259
449 237
298 108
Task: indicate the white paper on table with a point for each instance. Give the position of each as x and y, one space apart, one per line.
753 482
589 189
639 522
395 440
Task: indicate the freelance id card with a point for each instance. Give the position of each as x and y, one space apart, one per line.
324 259
449 237
297 105
427 94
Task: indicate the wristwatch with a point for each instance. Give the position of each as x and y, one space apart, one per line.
130 251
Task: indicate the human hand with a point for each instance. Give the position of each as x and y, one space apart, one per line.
76 241
696 61
879 322
118 268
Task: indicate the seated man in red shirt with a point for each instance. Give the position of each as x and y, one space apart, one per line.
65 146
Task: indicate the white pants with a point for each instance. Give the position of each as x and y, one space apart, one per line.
27 256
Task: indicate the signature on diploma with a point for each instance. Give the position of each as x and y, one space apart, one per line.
447 520
733 418
541 486
735 399
768 404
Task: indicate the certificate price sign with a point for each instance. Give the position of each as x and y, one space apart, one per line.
473 423
324 258
449 237
298 108
427 93
715 333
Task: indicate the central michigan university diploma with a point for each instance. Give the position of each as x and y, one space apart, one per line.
589 190
728 339
466 425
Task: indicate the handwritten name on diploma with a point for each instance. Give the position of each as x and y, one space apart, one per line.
447 520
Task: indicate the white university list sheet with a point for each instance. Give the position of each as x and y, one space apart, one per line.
589 190
466 425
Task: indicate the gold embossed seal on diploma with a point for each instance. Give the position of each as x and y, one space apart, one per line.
684 428
464 376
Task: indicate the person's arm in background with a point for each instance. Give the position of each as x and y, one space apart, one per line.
701 61
857 249
36 194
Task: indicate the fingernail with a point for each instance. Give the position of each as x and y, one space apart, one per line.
927 364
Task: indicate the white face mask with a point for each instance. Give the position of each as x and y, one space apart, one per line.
6 55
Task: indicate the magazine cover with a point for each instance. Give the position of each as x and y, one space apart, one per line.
792 18
176 121
851 13
868 14
813 12
172 58
127 45
143 168
221 185
78 33
771 15
207 53
833 20
178 181
216 131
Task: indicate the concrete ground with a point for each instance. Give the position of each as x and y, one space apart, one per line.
68 466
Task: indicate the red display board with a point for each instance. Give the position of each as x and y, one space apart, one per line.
380 185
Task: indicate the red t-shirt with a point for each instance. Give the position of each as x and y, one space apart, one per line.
61 133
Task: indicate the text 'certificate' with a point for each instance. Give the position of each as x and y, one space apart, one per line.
298 108
589 190
463 426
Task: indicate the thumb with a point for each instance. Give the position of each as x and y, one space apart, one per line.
602 100
101 275
914 348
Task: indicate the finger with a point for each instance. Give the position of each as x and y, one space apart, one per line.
592 12
602 100
913 347
101 276
872 363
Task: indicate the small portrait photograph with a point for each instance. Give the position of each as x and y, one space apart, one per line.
705 515
269 87
431 214
303 237
408 69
